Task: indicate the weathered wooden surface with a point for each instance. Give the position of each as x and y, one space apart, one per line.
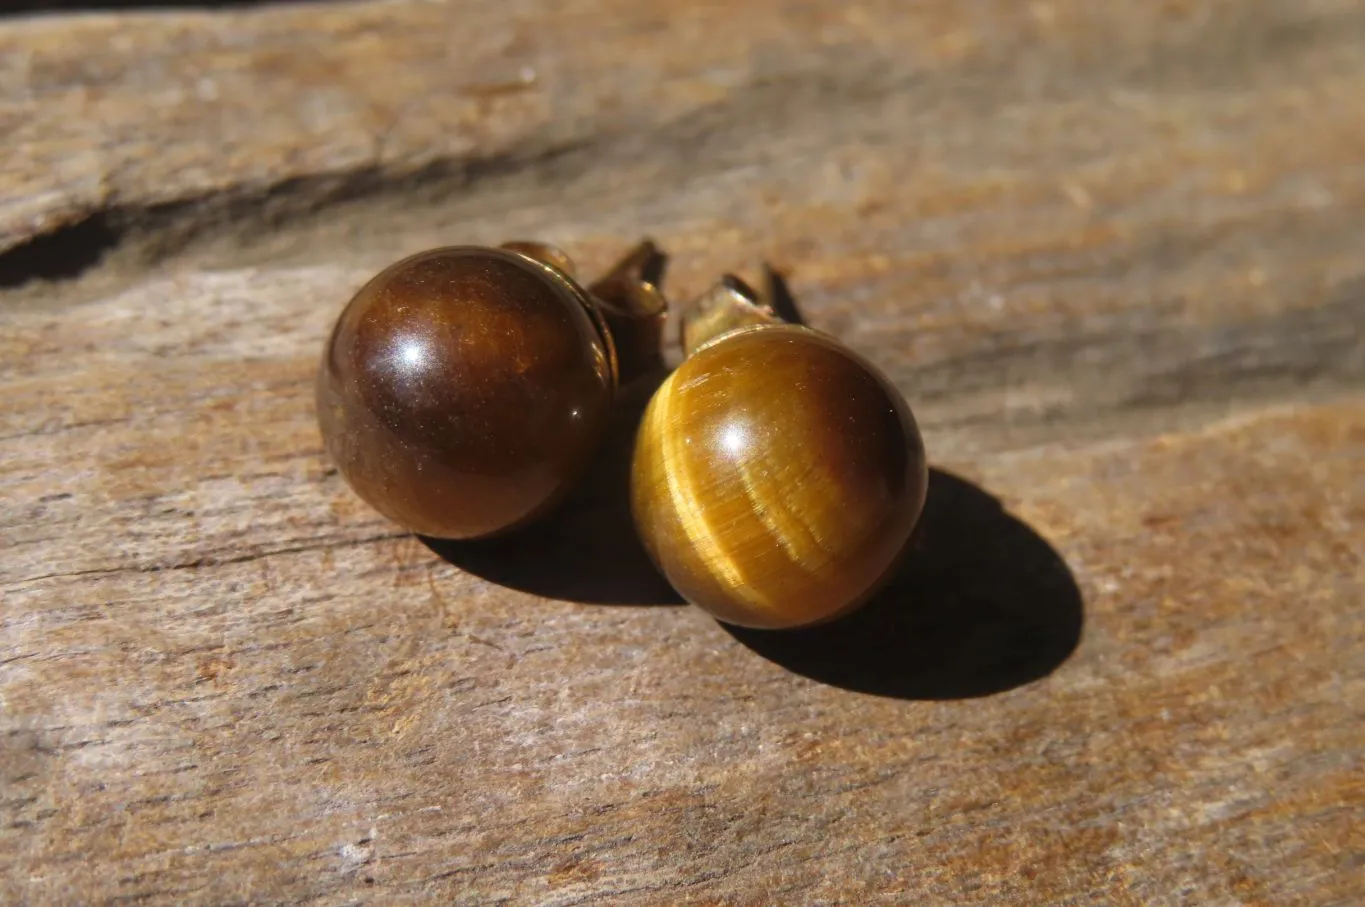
1111 252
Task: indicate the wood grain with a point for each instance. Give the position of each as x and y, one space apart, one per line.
1110 252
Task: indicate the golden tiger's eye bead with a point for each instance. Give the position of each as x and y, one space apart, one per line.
464 389
777 477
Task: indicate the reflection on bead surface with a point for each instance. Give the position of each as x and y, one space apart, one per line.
463 390
777 477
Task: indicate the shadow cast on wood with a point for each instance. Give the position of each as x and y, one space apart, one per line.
983 604
587 550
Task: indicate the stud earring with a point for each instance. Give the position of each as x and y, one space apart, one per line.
777 475
463 390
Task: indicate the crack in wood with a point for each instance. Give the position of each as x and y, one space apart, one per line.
151 234
212 561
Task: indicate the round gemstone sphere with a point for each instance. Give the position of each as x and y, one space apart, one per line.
464 389
777 477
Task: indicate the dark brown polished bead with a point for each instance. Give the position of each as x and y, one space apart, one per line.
463 390
777 477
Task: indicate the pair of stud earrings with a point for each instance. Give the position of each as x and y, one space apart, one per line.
776 477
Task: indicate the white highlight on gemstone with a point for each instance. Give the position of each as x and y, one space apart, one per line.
732 440
411 354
